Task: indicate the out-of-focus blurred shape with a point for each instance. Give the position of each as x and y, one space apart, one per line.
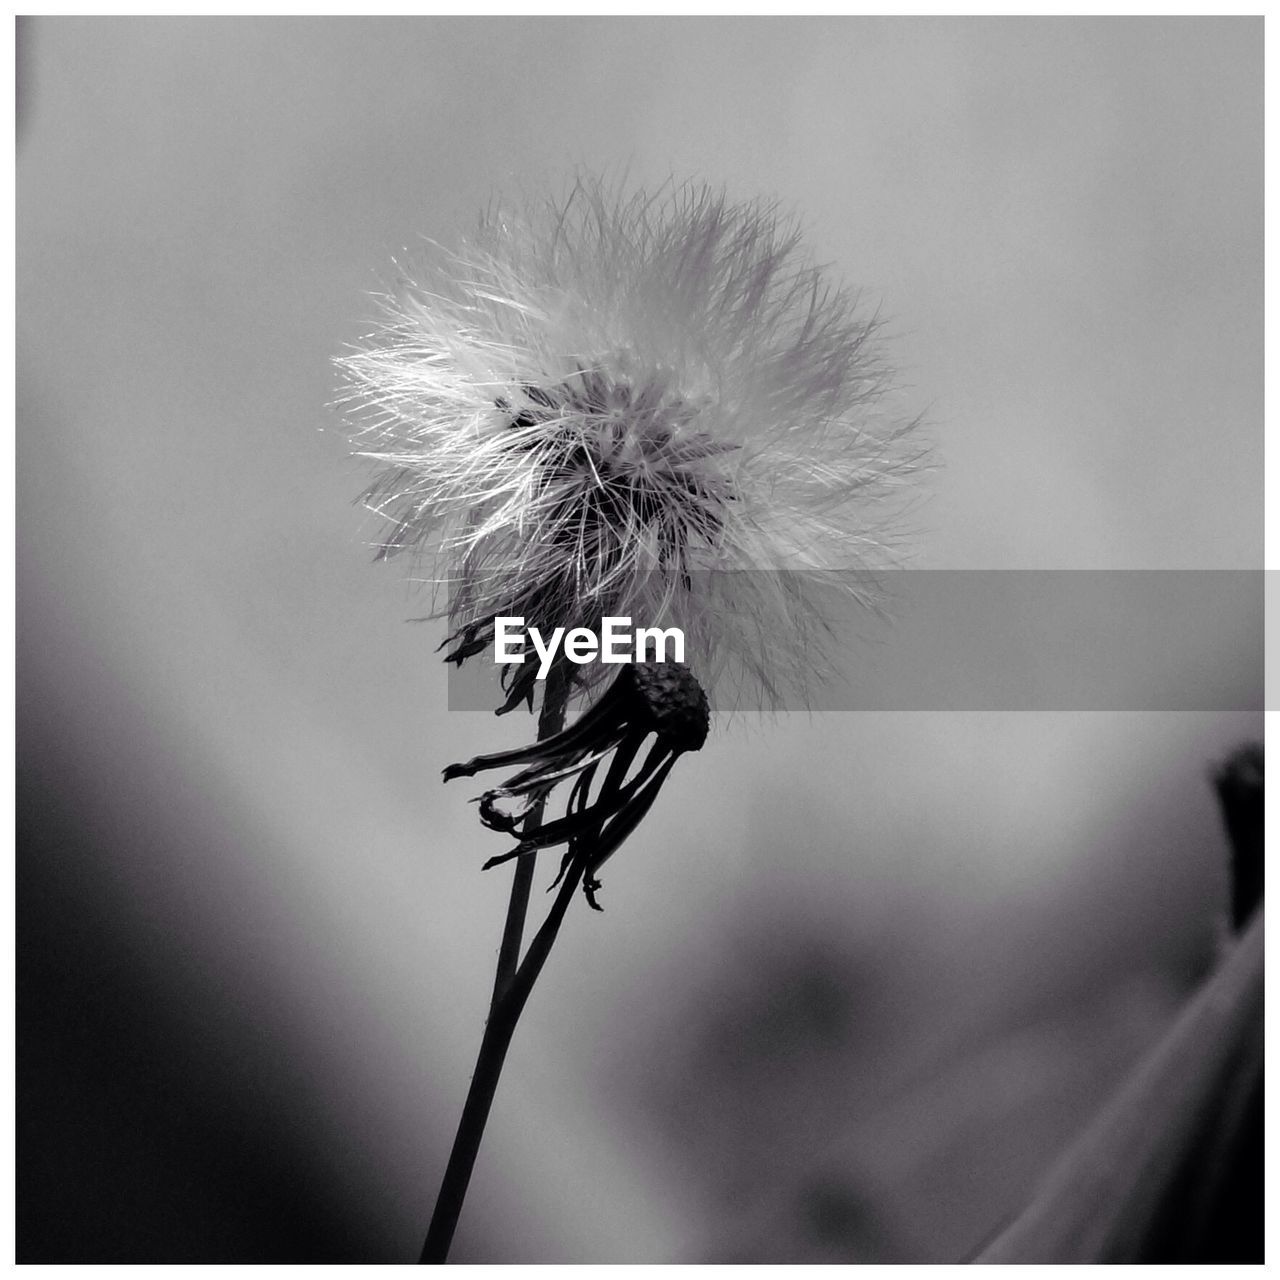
1172 1169
1240 793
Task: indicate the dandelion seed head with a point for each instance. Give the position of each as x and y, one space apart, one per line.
650 405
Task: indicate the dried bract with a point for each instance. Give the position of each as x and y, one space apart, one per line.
658 701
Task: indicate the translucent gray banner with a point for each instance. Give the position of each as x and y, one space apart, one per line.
1011 640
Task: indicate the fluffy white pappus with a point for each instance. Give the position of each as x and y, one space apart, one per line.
636 404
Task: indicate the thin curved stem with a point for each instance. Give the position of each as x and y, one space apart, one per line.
555 697
511 986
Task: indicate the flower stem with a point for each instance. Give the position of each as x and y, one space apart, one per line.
511 987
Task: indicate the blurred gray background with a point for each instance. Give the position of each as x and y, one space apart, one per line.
859 975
